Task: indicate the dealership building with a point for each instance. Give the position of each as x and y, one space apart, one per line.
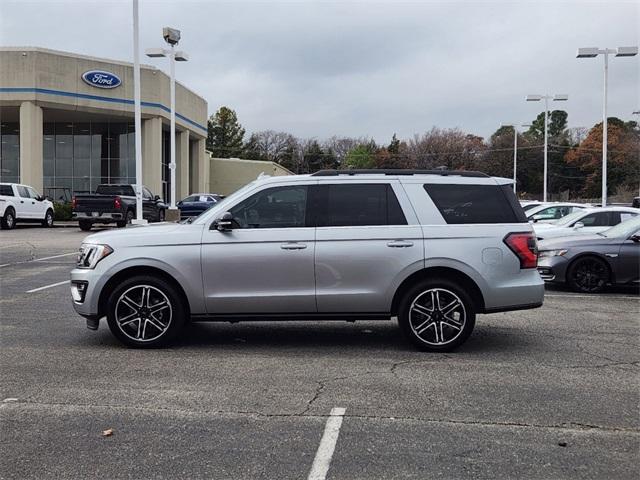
67 124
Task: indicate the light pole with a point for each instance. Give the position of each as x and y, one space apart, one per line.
172 37
546 98
137 115
515 149
592 52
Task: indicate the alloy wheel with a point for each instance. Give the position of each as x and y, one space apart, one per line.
437 316
590 275
143 313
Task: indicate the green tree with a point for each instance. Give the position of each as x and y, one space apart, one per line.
225 134
361 156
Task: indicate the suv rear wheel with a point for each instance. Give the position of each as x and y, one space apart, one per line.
85 225
437 315
145 312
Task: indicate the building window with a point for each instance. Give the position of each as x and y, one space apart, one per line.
10 152
77 157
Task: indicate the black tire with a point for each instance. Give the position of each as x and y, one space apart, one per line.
128 218
9 219
427 324
48 219
144 330
588 275
85 225
161 215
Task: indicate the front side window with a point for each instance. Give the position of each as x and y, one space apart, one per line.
354 205
146 193
461 204
22 191
32 193
600 219
277 207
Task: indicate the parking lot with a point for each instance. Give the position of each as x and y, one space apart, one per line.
546 393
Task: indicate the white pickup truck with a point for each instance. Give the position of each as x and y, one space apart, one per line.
21 203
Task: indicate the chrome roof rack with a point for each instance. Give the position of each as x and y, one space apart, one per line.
398 171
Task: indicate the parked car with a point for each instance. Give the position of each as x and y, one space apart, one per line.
196 203
588 264
529 204
636 202
22 203
550 212
116 203
585 222
332 245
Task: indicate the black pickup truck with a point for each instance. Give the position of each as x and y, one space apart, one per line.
115 203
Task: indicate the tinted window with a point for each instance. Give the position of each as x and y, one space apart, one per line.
6 190
116 190
278 207
599 219
360 205
475 203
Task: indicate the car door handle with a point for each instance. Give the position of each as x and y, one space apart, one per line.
293 246
400 244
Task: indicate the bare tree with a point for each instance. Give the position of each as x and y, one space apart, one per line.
452 148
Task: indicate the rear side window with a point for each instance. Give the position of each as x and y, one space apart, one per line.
460 204
124 190
360 205
6 190
599 219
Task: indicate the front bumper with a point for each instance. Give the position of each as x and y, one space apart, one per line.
87 303
553 269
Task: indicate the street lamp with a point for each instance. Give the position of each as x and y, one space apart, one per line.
592 52
546 98
137 115
172 37
515 148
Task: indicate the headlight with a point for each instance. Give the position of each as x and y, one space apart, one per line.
551 253
91 254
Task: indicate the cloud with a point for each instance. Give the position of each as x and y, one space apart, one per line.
317 69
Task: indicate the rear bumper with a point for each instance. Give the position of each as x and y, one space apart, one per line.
108 217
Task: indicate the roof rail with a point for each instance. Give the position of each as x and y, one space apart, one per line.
398 171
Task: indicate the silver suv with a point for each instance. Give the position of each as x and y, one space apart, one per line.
432 248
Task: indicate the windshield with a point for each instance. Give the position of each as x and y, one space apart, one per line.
221 206
624 229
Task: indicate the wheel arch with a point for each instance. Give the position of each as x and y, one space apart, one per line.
440 272
140 270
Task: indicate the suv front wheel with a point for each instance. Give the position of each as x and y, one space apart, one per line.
436 315
145 312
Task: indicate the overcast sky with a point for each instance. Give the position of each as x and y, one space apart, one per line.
317 69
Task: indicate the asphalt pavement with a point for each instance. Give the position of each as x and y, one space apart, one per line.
548 393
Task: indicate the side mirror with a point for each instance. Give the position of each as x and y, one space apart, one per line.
40 198
224 223
157 198
635 238
535 218
578 225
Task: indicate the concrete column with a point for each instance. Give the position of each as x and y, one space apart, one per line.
199 161
182 160
31 145
152 154
203 166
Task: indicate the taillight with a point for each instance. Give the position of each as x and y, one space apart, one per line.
74 203
117 203
524 245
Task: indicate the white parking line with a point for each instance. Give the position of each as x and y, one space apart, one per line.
595 297
327 445
38 259
47 286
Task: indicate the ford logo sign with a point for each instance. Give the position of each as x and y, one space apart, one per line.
100 79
